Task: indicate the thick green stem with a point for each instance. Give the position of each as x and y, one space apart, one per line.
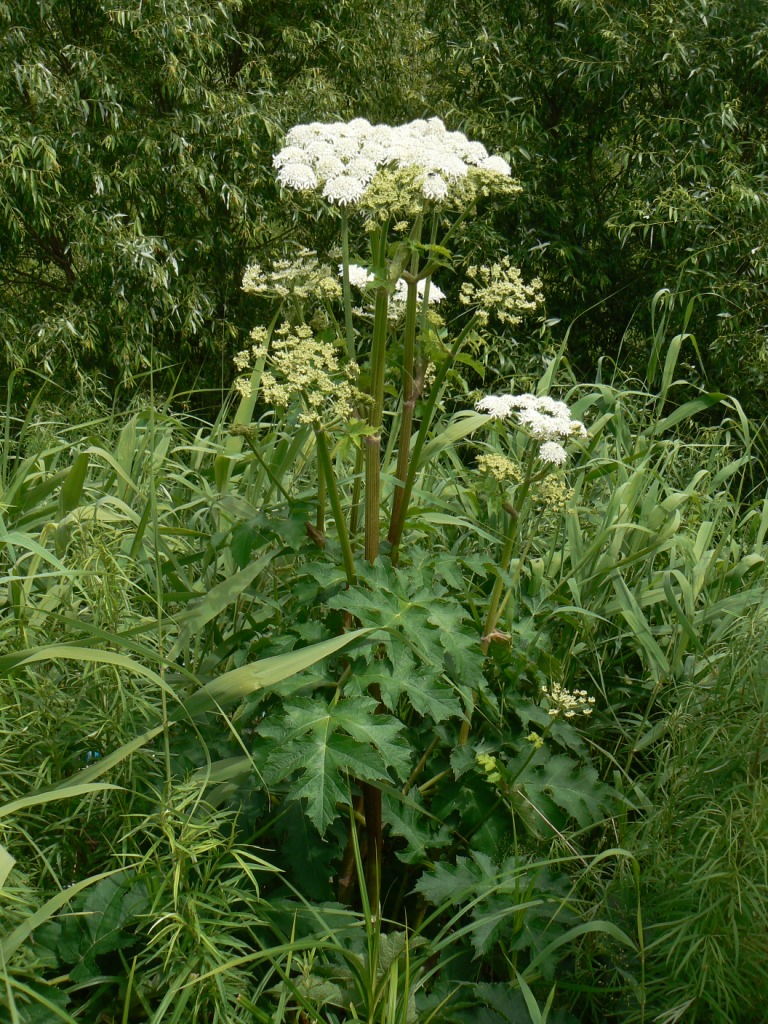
397 525
321 491
495 604
409 393
345 285
376 414
324 458
357 489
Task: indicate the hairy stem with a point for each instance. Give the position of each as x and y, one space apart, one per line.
494 606
409 390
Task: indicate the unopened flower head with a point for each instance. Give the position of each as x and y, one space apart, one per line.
342 160
499 291
303 366
490 766
499 467
300 278
552 495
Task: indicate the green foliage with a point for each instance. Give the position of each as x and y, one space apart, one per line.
96 924
135 180
640 134
390 719
324 742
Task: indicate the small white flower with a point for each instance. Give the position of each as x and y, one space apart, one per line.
497 165
544 427
435 188
374 151
458 141
346 146
498 407
400 294
447 164
299 177
553 452
317 150
329 166
359 276
381 134
474 153
362 167
435 294
303 134
359 126
344 190
288 155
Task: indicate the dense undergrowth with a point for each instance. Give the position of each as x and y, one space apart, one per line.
178 873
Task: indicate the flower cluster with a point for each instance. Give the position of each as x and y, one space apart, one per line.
301 278
243 360
499 290
490 766
545 419
567 702
361 277
499 467
309 368
552 495
343 160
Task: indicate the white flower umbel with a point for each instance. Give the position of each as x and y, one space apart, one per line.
435 187
553 452
569 703
341 160
344 190
400 294
296 176
544 418
361 277
498 407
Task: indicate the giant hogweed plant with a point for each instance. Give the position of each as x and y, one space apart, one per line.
391 725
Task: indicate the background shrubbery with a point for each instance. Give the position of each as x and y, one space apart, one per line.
135 181
218 709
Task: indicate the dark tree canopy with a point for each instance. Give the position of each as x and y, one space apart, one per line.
135 176
639 131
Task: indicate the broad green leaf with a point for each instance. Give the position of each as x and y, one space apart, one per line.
21 933
560 782
72 488
326 743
